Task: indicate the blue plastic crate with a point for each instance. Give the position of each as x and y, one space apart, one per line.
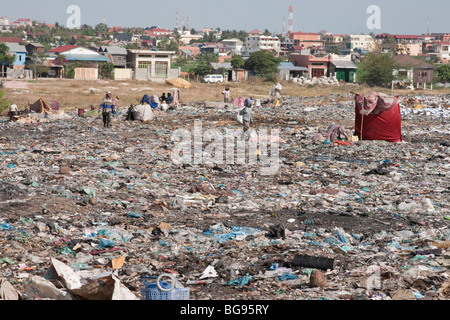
163 290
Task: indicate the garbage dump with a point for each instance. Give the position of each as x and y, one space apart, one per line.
89 213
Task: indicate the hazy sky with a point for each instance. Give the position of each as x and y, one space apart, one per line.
336 16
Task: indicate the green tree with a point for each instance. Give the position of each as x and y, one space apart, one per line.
106 70
167 45
262 63
237 62
5 57
3 103
376 69
443 73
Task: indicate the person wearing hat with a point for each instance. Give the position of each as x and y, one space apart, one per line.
247 116
107 108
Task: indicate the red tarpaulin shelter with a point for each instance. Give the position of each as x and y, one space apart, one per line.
377 117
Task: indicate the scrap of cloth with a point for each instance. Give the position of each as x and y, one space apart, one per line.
375 103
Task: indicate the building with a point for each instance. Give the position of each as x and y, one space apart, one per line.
17 68
34 47
333 43
116 54
287 71
413 70
261 42
233 45
216 48
358 42
23 22
305 40
343 68
441 36
89 58
151 65
255 33
20 53
441 50
158 32
127 37
317 66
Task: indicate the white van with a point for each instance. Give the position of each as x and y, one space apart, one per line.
213 78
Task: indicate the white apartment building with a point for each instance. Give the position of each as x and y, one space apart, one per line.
234 45
359 41
261 42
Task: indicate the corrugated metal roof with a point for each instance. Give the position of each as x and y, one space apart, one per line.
225 65
87 57
113 50
15 47
290 66
344 64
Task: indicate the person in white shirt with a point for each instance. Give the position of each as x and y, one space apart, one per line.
13 110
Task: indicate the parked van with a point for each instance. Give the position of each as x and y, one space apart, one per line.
213 78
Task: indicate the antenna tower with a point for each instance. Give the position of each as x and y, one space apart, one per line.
291 19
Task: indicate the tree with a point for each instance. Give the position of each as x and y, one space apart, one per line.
106 70
167 45
443 73
376 69
203 66
262 63
237 62
5 57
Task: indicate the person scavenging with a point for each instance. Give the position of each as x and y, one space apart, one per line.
107 108
226 94
247 117
169 98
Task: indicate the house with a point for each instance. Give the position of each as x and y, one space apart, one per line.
151 65
215 48
17 68
127 37
89 58
10 39
23 22
78 53
20 53
413 70
158 32
287 71
343 68
33 47
189 51
260 42
117 55
317 66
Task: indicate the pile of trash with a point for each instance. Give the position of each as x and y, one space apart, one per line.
89 212
331 81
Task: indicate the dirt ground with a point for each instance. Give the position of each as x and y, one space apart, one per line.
72 95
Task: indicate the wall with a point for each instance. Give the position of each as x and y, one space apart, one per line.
123 74
86 73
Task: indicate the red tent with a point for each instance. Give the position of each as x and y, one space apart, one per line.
377 117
